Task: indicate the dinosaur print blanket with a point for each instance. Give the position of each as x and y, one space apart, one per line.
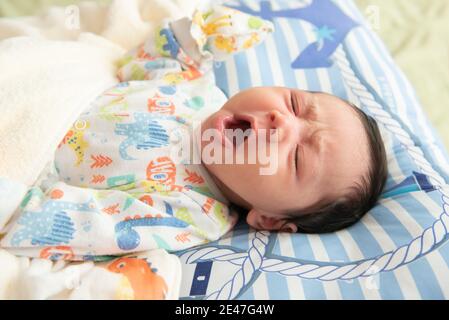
113 187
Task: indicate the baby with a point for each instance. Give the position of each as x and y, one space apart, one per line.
120 184
331 161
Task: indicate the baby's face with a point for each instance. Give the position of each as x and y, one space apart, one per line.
322 151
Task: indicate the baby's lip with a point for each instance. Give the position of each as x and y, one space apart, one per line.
219 125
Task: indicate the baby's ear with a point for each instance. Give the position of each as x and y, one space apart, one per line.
262 220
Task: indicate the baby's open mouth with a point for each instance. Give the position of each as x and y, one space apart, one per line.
237 129
233 123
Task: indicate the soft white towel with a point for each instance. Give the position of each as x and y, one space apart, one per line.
51 67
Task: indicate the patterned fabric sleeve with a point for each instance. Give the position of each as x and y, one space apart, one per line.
221 31
71 223
183 50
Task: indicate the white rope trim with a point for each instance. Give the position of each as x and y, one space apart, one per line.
255 261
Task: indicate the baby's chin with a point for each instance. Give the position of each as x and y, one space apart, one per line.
227 189
223 175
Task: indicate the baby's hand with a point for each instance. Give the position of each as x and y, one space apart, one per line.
223 31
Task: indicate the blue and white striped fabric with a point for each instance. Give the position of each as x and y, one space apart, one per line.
398 250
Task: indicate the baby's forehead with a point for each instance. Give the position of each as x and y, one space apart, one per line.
347 136
331 97
332 101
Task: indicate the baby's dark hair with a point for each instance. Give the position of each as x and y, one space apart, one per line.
350 208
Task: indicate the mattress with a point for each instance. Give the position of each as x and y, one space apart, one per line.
399 250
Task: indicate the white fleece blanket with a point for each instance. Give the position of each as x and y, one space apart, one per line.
52 66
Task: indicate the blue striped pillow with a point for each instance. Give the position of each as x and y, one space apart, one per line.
325 45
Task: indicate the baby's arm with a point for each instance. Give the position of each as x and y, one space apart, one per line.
184 49
81 222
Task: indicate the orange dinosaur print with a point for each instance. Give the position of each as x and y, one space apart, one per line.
56 194
146 284
57 253
208 205
66 138
183 237
97 178
161 105
147 216
147 199
162 170
193 177
100 161
111 209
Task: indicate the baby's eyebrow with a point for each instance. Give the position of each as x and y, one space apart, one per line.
317 136
313 107
317 139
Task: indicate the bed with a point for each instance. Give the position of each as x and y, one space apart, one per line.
399 250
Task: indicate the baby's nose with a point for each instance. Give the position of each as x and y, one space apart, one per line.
277 128
277 119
